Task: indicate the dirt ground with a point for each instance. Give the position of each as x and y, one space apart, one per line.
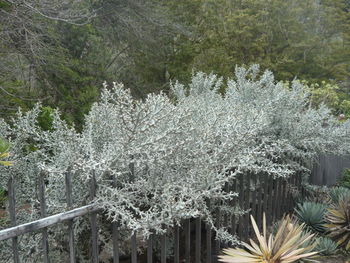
335 259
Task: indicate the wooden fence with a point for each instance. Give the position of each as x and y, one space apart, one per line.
193 241
328 169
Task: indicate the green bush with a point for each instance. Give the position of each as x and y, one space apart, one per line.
4 148
2 197
326 246
337 193
345 179
312 215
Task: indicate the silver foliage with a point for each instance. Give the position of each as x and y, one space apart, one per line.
157 162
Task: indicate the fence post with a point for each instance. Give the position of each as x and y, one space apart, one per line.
247 205
43 213
68 178
176 244
241 205
260 198
187 224
93 222
150 249
133 248
12 210
198 240
234 204
163 248
115 233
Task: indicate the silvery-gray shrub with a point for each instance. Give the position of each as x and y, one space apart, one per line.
164 159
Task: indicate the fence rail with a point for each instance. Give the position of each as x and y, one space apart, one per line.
193 241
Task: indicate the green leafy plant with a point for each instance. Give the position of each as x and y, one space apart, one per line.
312 215
345 179
338 193
4 148
338 223
326 246
284 247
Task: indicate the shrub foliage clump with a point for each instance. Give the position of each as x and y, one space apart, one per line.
158 161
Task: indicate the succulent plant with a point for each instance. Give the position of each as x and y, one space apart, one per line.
326 246
287 246
312 215
337 193
338 223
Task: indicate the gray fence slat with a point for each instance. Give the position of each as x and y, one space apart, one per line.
115 232
187 224
247 205
163 248
150 249
12 210
93 222
176 244
270 199
115 240
284 196
43 214
260 197
218 225
226 216
133 249
234 203
254 180
289 191
266 190
279 199
68 179
208 239
274 200
198 239
241 205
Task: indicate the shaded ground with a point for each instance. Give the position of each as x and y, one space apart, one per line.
335 259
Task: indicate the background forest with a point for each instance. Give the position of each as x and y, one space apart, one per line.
60 52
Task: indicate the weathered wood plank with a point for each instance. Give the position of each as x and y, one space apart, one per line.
284 196
115 232
163 248
176 244
274 200
187 229
218 225
43 214
133 249
279 198
12 211
234 203
46 222
247 205
241 205
270 199
93 223
198 240
266 194
254 194
262 183
115 240
68 179
150 249
208 240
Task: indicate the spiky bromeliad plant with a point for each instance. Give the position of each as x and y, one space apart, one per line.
288 245
338 193
326 246
312 215
338 227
